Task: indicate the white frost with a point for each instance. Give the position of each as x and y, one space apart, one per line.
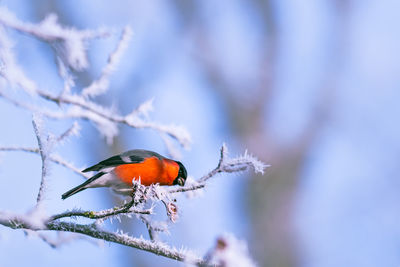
230 252
240 163
100 86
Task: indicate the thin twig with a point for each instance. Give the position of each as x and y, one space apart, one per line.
186 188
101 214
73 130
181 135
101 85
150 229
227 165
43 154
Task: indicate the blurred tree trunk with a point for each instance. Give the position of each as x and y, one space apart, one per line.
271 197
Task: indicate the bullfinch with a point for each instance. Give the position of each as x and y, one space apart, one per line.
119 171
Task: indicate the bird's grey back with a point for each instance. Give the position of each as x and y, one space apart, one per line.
141 153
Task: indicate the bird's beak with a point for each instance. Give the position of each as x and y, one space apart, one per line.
181 181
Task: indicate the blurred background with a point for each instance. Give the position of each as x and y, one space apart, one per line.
310 87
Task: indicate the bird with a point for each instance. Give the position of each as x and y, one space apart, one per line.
119 171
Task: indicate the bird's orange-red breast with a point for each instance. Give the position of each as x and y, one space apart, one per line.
119 171
151 171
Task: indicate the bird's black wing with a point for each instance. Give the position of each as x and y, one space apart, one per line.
131 156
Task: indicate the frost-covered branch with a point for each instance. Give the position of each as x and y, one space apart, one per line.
44 147
72 131
154 228
70 46
100 85
228 165
88 110
69 43
126 209
9 68
106 119
159 248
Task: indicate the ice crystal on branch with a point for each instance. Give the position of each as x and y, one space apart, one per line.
142 110
237 164
241 163
229 252
72 131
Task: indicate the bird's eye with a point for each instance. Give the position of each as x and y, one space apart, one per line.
181 181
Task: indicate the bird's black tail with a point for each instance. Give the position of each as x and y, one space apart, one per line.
81 187
73 191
